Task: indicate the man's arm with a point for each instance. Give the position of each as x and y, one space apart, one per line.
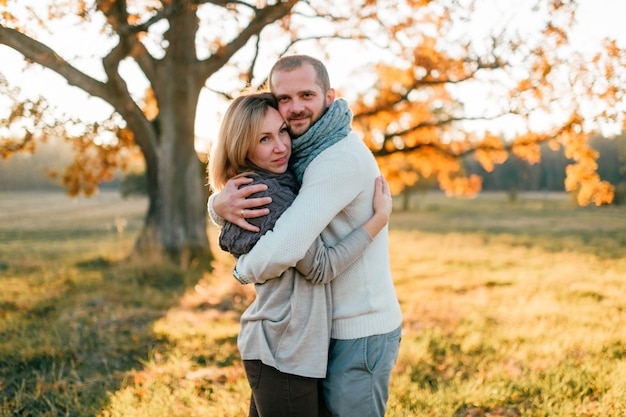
322 264
231 204
332 181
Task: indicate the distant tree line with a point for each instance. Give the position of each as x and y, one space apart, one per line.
39 170
549 175
26 171
32 171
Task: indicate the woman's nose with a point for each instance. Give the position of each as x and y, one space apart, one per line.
280 146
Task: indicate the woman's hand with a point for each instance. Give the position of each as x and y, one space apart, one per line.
383 206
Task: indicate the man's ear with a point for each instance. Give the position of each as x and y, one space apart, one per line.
330 96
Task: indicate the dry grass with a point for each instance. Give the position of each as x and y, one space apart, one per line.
510 309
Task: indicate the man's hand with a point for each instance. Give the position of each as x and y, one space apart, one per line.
233 205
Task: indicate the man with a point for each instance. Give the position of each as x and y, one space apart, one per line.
336 171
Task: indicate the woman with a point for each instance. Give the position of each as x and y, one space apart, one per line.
285 332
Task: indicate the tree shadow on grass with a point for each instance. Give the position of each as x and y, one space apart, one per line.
65 353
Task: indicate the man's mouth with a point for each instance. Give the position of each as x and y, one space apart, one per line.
298 117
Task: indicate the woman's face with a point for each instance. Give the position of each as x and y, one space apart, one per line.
271 149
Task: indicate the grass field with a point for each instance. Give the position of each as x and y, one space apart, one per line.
510 309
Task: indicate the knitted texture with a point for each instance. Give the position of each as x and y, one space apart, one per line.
283 189
335 198
333 126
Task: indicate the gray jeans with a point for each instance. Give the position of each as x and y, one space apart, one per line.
357 380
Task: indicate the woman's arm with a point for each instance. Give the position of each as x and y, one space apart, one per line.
383 205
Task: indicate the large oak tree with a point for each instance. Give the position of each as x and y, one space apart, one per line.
416 57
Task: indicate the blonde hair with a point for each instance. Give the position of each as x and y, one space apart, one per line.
239 130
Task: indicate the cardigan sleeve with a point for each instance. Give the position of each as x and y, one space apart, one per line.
322 264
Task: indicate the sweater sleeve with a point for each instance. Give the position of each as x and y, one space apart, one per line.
322 264
215 218
332 181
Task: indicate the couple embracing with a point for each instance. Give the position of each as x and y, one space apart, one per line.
304 209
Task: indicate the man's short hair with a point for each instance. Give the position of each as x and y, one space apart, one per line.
291 62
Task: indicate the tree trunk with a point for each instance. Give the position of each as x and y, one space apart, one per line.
176 222
175 225
406 198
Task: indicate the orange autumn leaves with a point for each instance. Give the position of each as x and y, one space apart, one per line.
96 162
419 130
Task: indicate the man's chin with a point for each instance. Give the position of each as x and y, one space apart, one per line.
298 130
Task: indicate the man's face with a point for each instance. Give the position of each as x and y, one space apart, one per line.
301 100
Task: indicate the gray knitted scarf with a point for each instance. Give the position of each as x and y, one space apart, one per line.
333 126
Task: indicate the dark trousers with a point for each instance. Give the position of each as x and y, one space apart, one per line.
277 394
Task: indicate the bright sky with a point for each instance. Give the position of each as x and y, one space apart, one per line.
598 19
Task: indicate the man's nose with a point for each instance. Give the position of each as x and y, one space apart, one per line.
297 106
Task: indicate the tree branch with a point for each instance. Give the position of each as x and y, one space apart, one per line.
262 18
223 3
113 91
111 64
444 149
118 19
164 14
43 55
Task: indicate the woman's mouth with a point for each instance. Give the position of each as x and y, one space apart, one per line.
282 161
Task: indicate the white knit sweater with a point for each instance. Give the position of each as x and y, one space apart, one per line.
335 198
